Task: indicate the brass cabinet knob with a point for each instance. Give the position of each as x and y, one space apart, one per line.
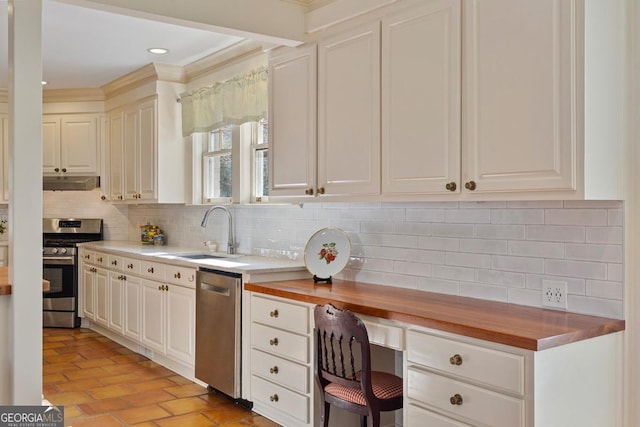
273 341
120 197
57 169
274 370
456 359
150 270
160 287
451 186
129 266
99 259
273 398
274 313
309 191
471 185
103 197
87 256
177 275
114 262
64 169
456 399
321 190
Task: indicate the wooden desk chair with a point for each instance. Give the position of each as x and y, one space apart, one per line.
363 391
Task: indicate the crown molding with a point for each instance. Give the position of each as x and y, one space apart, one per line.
151 72
72 95
223 58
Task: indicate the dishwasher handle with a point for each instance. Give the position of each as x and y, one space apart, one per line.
215 289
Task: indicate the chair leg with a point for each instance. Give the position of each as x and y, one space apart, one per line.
363 421
374 419
324 419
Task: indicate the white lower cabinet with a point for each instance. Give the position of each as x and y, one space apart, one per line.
149 303
282 382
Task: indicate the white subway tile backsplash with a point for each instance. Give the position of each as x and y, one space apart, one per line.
556 233
600 253
453 273
536 249
483 246
517 264
517 216
490 250
468 260
580 269
467 216
575 217
612 235
507 232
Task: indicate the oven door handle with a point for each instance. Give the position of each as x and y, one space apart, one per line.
58 260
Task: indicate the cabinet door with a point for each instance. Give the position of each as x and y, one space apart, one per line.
88 292
519 95
79 143
50 144
102 297
116 301
153 315
349 112
131 151
292 122
132 307
181 321
115 157
147 156
421 99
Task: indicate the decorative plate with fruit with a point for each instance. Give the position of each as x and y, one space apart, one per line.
327 252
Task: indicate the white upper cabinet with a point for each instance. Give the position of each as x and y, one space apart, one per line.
4 146
292 121
349 112
519 92
70 144
421 99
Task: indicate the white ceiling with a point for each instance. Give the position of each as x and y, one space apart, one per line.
87 48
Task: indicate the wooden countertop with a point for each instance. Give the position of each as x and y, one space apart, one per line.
5 286
515 325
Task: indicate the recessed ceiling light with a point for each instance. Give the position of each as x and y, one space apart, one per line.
158 50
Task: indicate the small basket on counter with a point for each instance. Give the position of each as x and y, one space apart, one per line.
151 235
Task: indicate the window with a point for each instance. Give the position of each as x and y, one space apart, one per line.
260 156
217 164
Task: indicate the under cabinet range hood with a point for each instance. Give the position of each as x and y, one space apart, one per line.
70 183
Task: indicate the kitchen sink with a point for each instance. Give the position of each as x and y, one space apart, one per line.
201 256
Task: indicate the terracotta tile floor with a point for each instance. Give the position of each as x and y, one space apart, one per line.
100 383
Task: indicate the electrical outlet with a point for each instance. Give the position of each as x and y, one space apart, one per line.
554 294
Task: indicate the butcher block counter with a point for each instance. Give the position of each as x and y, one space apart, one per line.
5 286
519 326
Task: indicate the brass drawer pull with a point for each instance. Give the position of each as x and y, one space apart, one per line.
99 259
456 399
456 359
321 190
129 265
150 270
273 341
273 370
114 262
309 191
471 185
177 275
273 398
451 186
274 313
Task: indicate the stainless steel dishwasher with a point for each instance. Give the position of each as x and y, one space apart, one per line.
218 340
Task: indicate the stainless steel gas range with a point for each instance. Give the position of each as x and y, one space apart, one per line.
60 237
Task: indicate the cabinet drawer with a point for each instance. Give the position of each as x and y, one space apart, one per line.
280 399
89 257
497 368
131 265
281 314
280 342
115 262
181 276
101 259
419 417
483 406
385 335
281 371
152 270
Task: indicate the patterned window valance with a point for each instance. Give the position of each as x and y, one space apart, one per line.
240 99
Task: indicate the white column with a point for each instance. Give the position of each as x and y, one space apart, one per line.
25 200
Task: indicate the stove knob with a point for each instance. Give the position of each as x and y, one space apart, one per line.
63 250
54 250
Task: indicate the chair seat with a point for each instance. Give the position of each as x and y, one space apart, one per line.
385 386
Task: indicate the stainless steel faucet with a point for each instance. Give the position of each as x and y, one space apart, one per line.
231 249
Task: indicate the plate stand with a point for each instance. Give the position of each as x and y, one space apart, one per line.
317 279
